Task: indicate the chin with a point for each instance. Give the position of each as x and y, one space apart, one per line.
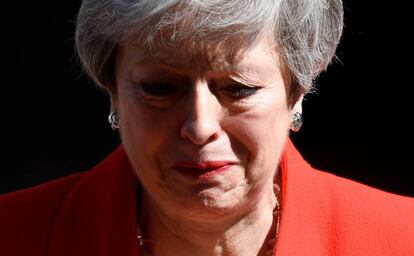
211 203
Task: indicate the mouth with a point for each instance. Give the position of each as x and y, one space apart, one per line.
202 170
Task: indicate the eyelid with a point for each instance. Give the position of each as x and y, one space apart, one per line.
159 81
157 73
245 82
235 92
154 90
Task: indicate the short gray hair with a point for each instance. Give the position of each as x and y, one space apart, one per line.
305 32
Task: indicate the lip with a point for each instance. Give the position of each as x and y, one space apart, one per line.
202 170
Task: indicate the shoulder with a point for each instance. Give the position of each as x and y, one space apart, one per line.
350 216
49 196
28 215
345 192
366 218
370 218
58 217
44 194
364 198
367 200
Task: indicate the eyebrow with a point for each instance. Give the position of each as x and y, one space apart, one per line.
183 73
238 77
153 67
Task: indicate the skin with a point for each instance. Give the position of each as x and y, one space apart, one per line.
174 107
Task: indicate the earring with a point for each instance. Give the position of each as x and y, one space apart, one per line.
113 120
297 121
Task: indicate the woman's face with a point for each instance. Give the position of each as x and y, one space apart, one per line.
204 135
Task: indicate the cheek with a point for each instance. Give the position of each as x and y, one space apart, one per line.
135 127
144 131
144 124
262 127
261 134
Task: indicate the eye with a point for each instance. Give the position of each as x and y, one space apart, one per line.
159 88
239 91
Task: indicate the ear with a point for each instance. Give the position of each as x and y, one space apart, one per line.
296 115
297 106
113 97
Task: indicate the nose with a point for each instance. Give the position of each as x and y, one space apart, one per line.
201 116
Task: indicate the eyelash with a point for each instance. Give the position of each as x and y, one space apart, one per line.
165 90
159 89
238 91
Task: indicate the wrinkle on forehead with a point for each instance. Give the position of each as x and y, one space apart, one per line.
199 57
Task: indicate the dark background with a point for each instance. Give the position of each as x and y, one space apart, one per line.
358 124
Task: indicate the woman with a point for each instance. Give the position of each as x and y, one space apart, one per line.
203 94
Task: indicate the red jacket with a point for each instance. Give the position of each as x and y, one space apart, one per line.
93 213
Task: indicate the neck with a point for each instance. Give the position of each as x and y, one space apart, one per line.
244 234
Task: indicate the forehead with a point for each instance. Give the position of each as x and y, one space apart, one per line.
204 57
